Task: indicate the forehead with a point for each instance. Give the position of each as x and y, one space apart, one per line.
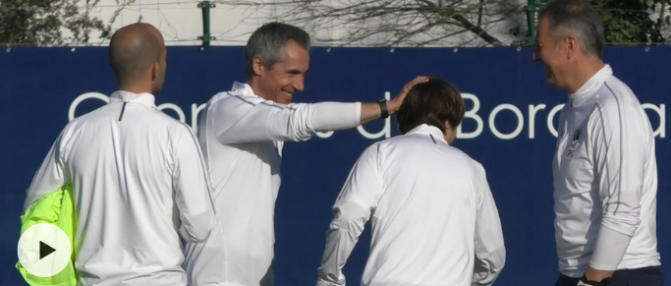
295 53
543 26
544 33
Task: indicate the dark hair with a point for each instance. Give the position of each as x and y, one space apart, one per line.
268 42
576 17
432 102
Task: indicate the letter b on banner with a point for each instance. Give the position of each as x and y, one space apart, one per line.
472 114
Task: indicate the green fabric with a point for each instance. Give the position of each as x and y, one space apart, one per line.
56 208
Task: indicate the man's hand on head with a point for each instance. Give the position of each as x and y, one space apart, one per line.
395 104
374 111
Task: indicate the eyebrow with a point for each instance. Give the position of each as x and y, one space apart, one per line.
296 71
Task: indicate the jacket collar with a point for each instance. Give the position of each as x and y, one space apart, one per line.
432 131
242 89
127 96
590 88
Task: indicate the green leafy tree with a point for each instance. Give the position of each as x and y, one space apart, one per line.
47 23
629 21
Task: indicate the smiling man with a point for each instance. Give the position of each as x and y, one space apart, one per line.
242 132
605 171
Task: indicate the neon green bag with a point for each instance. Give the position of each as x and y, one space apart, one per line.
56 208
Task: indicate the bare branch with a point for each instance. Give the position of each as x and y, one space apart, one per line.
396 22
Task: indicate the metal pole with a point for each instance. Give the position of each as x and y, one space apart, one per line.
531 22
206 37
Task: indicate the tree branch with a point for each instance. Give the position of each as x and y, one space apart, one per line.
449 12
660 21
394 22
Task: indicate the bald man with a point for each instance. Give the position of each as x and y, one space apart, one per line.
139 183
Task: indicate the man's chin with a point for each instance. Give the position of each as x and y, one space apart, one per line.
284 99
551 81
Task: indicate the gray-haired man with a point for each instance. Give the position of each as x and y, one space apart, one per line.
241 133
605 171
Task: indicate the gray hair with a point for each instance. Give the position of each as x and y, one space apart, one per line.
268 42
578 18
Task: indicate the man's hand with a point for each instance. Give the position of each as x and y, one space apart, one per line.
395 104
595 275
371 111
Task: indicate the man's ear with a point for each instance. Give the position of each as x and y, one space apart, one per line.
154 71
257 65
450 133
572 46
448 127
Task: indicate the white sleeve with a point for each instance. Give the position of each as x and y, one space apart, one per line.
245 119
621 145
490 252
191 187
352 210
51 176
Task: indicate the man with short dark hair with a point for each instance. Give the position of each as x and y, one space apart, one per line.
435 220
139 183
605 171
242 133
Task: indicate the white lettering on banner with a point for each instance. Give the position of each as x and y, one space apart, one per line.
533 109
195 111
551 117
85 96
520 121
178 110
386 130
471 114
661 111
325 135
532 118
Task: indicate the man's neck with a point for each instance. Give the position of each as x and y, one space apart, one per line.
583 73
134 89
253 83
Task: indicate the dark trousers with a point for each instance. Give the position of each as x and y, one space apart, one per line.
647 276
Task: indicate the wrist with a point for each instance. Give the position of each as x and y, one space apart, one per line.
393 107
384 108
596 274
589 281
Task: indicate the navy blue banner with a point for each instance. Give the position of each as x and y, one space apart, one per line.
510 128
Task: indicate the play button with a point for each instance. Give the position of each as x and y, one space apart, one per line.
44 250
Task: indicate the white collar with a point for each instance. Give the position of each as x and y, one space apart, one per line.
242 89
591 86
127 96
431 130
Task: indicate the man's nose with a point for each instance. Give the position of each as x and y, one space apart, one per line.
299 83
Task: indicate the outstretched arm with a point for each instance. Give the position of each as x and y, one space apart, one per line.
248 119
